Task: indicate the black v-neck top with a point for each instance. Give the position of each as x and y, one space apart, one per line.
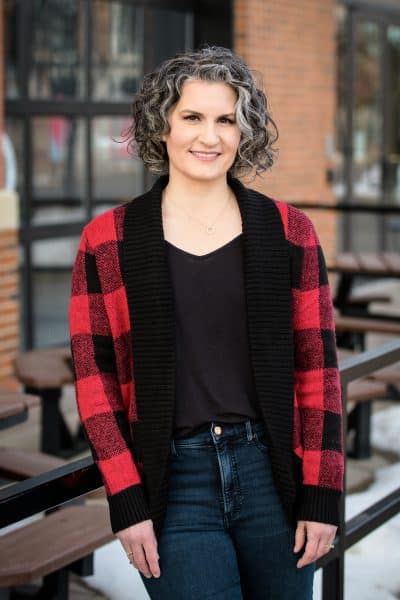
214 379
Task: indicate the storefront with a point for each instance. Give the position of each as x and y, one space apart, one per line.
71 68
368 118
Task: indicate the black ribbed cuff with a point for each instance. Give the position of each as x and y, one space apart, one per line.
319 504
128 508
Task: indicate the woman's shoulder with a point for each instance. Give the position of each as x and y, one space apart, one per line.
298 226
107 226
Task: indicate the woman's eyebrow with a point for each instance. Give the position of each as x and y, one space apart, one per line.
195 112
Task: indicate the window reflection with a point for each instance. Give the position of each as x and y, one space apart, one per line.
117 58
392 187
367 114
13 155
118 177
340 113
11 62
52 262
58 46
58 174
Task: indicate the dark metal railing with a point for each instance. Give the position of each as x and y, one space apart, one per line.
67 483
352 531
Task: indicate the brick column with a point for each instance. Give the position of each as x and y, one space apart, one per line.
292 46
9 284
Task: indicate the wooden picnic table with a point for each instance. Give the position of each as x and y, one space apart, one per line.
353 265
44 372
379 385
14 407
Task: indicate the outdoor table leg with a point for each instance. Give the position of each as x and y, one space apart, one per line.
55 434
360 421
343 291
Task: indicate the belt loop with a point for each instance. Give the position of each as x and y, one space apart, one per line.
249 431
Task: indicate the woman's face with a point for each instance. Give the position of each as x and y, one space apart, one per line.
204 136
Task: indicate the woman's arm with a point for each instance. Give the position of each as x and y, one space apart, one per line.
318 403
98 393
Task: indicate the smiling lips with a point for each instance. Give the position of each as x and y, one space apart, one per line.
207 156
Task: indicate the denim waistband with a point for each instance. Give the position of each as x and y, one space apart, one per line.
219 431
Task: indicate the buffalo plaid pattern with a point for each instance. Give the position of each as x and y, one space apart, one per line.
103 362
101 350
317 398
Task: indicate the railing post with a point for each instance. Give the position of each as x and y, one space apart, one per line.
333 572
333 579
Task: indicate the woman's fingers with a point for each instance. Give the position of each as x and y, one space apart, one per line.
310 552
152 558
300 536
319 538
139 561
140 544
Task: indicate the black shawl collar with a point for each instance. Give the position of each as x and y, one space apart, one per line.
150 300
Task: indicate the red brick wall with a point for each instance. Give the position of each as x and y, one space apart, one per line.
9 304
292 45
9 285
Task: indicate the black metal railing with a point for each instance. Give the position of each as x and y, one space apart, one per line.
354 530
67 483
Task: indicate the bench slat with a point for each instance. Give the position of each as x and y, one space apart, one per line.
372 262
392 260
368 298
43 368
346 261
53 542
367 325
22 464
362 390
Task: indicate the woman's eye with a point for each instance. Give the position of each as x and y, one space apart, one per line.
190 117
226 120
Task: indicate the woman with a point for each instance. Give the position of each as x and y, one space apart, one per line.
203 344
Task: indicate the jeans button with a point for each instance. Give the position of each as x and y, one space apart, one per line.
217 430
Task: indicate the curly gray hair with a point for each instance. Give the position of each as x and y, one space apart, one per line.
161 89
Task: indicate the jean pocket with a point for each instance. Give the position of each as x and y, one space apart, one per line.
260 440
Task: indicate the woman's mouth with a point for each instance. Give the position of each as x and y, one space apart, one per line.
207 156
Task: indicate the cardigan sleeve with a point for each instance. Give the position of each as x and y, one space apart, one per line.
318 403
99 402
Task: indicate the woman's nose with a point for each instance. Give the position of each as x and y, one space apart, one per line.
209 134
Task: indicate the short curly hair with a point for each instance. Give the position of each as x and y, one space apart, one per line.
161 89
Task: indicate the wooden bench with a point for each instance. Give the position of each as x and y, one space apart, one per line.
51 547
44 372
360 395
365 325
351 330
379 385
364 299
14 407
19 464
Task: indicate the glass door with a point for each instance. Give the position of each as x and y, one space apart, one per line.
368 128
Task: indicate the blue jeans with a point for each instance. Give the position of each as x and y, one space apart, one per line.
225 535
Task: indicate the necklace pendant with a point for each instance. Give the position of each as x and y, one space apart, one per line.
210 228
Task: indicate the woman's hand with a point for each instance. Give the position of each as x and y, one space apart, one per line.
317 537
140 540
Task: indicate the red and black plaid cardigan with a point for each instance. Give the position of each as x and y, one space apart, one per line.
122 341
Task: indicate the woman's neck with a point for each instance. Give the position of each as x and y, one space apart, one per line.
197 197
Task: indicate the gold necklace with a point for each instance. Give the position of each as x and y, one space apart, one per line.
210 228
